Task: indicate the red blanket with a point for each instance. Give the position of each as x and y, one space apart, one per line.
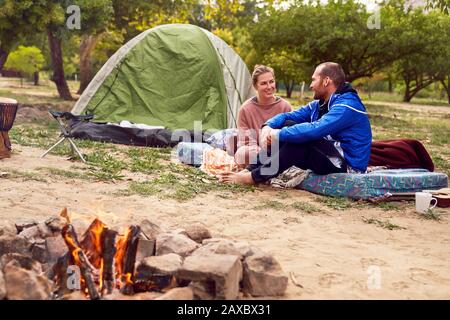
400 153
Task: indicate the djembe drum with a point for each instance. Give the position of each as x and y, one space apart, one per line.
8 111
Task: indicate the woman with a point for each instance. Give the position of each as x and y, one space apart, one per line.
255 111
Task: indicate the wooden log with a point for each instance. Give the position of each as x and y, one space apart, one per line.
108 276
91 242
129 259
70 237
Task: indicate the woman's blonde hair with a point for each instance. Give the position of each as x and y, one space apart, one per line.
259 70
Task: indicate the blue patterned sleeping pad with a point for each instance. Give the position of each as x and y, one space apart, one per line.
374 184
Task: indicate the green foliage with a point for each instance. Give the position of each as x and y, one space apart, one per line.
27 60
443 5
338 31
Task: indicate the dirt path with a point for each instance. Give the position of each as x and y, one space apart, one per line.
332 254
413 107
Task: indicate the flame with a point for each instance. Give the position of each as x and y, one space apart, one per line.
101 275
128 278
91 247
121 247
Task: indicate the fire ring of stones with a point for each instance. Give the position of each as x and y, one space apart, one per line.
48 260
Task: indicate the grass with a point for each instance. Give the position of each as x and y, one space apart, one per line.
66 174
305 207
159 177
431 214
382 224
182 183
271 204
433 130
336 203
24 175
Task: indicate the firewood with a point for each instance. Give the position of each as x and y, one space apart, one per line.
129 258
70 237
91 242
108 243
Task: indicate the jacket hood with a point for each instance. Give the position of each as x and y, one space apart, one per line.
344 88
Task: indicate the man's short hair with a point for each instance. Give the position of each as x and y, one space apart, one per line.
334 71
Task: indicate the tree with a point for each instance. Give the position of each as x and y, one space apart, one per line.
26 60
95 17
288 68
443 5
431 64
338 31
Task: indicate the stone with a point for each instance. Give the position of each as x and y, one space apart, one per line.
21 261
203 290
45 230
2 286
39 251
184 293
13 244
151 230
225 270
31 234
22 284
175 243
145 248
225 246
25 224
197 232
167 264
263 276
55 224
55 248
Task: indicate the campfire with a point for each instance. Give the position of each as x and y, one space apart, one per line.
105 258
62 260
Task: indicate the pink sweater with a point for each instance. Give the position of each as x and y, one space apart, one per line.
252 115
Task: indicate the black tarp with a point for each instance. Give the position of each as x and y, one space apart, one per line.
130 136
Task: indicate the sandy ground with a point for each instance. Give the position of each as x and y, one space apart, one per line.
331 254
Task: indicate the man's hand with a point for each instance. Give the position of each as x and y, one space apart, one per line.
273 134
268 135
265 132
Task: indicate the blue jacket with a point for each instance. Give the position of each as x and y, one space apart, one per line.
346 122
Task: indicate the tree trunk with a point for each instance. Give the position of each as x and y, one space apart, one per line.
36 78
411 92
58 67
87 45
446 86
407 95
289 84
3 57
390 83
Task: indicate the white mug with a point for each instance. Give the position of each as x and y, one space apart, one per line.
423 201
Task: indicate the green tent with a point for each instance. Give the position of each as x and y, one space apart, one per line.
170 76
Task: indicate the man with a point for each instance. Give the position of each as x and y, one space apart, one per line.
329 135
